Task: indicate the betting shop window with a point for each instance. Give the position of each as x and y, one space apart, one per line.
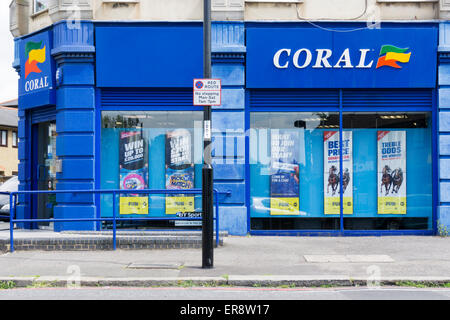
294 171
389 171
152 150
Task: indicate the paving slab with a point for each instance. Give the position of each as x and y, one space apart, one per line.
323 258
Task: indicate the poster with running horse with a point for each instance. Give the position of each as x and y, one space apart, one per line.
391 172
332 174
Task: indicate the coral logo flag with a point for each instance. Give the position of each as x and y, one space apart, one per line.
36 54
37 70
390 55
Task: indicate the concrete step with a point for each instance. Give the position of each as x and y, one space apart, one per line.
103 240
186 233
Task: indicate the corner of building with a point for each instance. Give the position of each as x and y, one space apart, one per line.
228 120
443 214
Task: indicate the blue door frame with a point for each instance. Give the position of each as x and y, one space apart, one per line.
34 173
34 118
341 110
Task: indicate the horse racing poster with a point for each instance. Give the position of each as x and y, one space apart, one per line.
332 174
391 172
179 171
133 172
284 172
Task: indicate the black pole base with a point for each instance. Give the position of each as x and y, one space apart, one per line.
207 218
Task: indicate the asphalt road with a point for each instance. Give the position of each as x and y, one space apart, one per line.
226 293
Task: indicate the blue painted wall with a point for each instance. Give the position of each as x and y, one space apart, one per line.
444 125
71 50
228 125
154 55
75 122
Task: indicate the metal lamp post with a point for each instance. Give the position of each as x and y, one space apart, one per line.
207 170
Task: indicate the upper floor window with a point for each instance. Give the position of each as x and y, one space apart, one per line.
40 5
15 139
3 138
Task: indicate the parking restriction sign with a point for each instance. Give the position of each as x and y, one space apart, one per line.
207 92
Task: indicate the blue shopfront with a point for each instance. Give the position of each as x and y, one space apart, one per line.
311 87
109 106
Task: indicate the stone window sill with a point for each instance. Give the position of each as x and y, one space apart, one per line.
37 14
408 1
121 1
274 1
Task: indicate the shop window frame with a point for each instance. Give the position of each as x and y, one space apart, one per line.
341 108
122 105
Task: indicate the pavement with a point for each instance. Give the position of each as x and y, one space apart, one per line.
242 261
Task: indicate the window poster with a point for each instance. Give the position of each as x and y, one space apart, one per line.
391 172
332 174
133 171
284 172
179 170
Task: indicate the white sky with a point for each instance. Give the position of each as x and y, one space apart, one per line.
8 76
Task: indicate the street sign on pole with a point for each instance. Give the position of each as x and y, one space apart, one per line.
207 92
207 169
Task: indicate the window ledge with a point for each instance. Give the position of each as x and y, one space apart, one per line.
36 14
408 1
121 1
274 1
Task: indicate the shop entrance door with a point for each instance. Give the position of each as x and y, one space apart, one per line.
44 171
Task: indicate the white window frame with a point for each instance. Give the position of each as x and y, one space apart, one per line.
15 139
3 134
45 6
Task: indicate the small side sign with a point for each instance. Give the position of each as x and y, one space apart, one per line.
207 92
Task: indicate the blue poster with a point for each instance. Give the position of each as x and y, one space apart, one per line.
179 171
133 172
284 172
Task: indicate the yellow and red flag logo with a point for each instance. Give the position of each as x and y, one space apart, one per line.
390 55
36 54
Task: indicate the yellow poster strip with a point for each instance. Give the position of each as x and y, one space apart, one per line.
392 205
284 206
177 204
133 205
333 205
